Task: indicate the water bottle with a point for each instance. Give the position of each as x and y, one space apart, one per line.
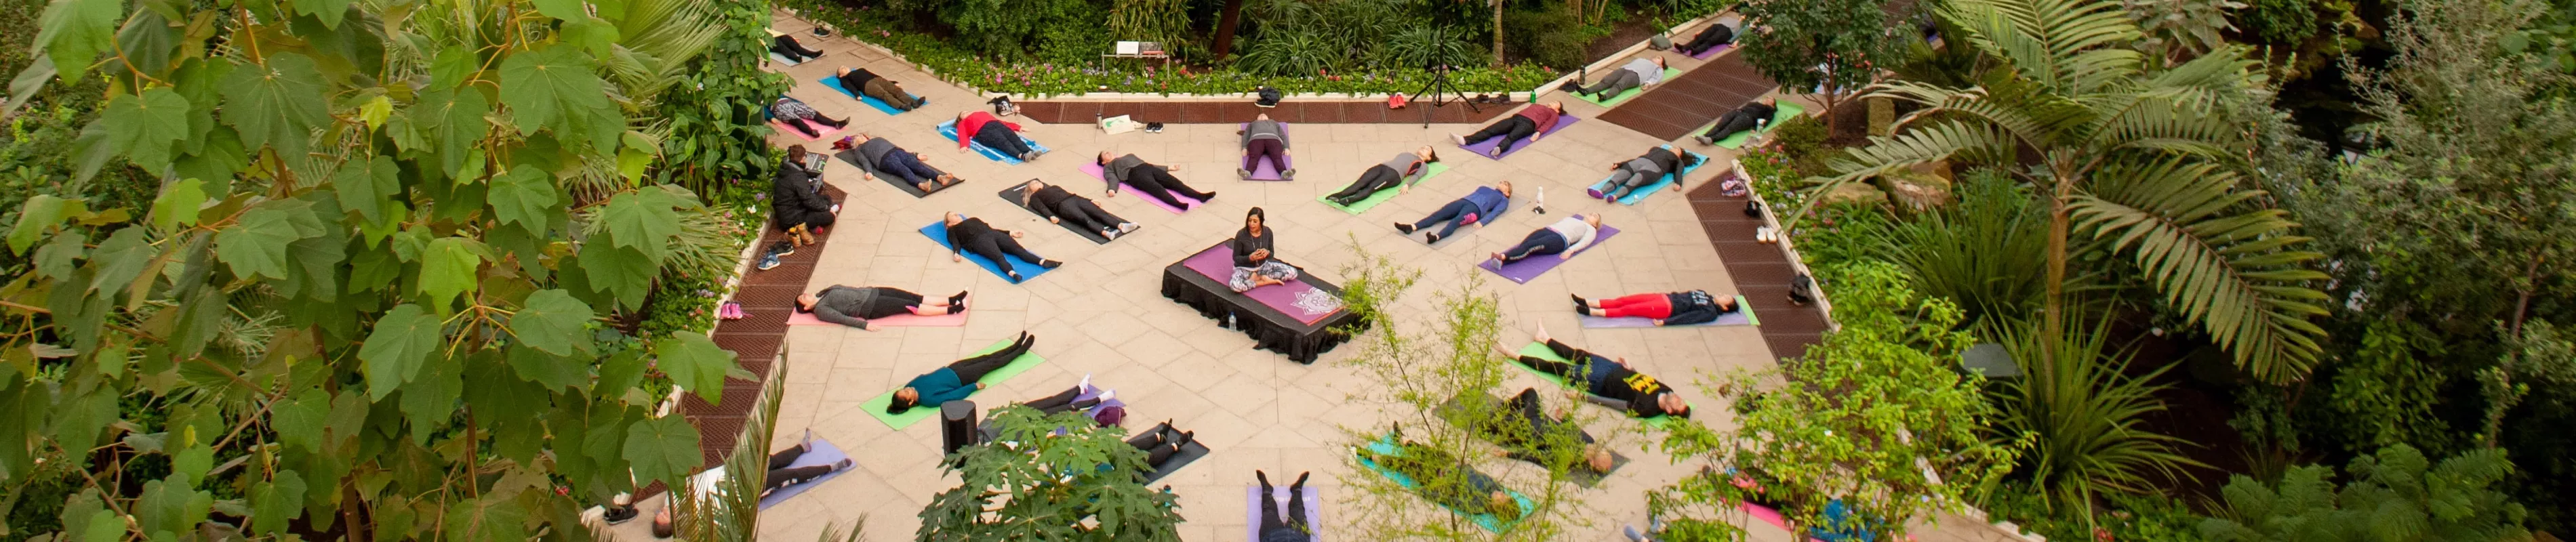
1229 321
1540 204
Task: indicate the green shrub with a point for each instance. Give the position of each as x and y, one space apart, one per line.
1554 37
2153 518
2279 21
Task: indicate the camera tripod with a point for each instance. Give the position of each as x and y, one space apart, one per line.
1439 91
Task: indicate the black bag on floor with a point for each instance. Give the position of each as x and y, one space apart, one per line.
1753 209
1802 289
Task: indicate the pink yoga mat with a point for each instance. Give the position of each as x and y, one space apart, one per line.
1312 500
1261 170
1521 272
1098 172
819 128
1297 299
1483 148
1713 51
900 320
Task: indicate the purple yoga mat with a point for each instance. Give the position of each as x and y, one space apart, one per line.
1521 272
1261 170
1297 299
1713 51
1098 172
1486 147
1252 501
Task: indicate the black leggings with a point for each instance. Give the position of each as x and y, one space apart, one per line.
1295 523
1062 402
1001 138
1378 177
787 46
1735 121
1159 444
994 246
973 369
1574 372
1539 243
1708 39
1512 130
1086 214
801 128
889 302
781 476
1161 185
1618 81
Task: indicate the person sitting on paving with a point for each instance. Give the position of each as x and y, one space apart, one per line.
1636 73
1254 264
790 110
1530 123
1265 139
1665 309
855 306
912 167
1605 381
779 476
1446 479
1528 433
1400 172
967 234
956 380
1750 117
1154 180
1479 208
796 201
994 133
787 46
1056 204
1564 238
869 84
1644 170
1709 38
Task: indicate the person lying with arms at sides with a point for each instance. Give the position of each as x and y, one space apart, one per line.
854 307
1479 208
1447 480
1605 381
1644 170
1528 433
1564 238
994 133
787 46
1532 121
911 167
1058 205
1637 73
1265 139
1666 309
779 476
967 234
1709 38
957 380
1753 115
1254 264
1155 181
869 84
789 110
1401 172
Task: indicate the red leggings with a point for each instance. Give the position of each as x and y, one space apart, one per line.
1640 305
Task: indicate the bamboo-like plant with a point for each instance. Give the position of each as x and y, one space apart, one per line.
2081 415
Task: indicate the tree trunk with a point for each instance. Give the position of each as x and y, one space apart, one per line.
2054 325
1225 28
1498 34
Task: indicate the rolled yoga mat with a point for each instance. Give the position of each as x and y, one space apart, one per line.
1692 161
1013 195
1743 316
1486 148
876 406
1297 299
1539 350
1521 272
1261 170
1363 205
938 232
949 130
872 101
1096 171
1252 501
1669 74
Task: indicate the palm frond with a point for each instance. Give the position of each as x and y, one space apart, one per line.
730 510
2220 264
1919 146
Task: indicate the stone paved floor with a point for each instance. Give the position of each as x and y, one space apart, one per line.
1102 315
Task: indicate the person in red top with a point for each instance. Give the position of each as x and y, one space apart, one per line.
981 127
1531 122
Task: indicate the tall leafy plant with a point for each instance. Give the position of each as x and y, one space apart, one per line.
1835 46
2395 494
2082 415
1059 477
1977 252
717 138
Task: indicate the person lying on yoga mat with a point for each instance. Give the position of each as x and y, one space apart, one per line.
1254 266
869 84
1644 170
1528 433
1637 73
910 166
957 380
1709 38
790 110
973 235
1665 309
1155 181
1265 139
994 133
796 199
779 476
1293 528
1071 399
1478 208
1400 172
1161 443
1447 480
855 306
1564 238
786 45
1752 115
1607 382
1058 205
1531 122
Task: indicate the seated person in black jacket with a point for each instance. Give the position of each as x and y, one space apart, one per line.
1750 117
1058 205
796 195
1709 38
973 235
1666 309
1607 382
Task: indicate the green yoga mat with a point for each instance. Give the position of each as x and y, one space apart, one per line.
1669 74
876 406
1381 196
1787 111
1539 350
1385 445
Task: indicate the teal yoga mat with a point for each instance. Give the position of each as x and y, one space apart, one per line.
1385 445
872 101
1669 179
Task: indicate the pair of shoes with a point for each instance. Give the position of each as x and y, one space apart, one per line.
1027 156
768 262
782 248
729 311
1766 235
1014 276
620 514
1704 140
1403 227
1111 234
1241 173
1581 306
1153 127
1458 139
1595 193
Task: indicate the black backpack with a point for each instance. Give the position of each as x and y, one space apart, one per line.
1753 209
1267 96
1802 289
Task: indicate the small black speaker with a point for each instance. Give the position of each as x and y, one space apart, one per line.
956 426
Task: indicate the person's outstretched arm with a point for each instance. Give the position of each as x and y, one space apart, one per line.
951 394
1589 234
829 314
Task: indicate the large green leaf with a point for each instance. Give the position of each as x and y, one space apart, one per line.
624 272
279 104
694 363
365 187
552 321
403 340
41 213
298 420
142 127
429 401
73 32
523 196
329 11
172 504
255 246
642 220
451 120
276 502
178 204
447 269
555 372
490 518
662 449
557 88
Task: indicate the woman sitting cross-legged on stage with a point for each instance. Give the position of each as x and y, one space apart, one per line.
1643 170
1155 181
869 84
1666 309
957 380
1058 205
1478 208
1605 381
790 110
1564 238
982 127
855 306
1400 172
1530 122
973 235
906 165
1254 264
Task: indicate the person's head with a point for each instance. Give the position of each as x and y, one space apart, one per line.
952 218
861 137
904 399
1503 506
1726 303
1111 416
1674 405
1592 219
805 302
1505 187
1261 116
796 153
1559 106
1659 63
845 70
1252 219
662 527
1773 101
961 117
1599 459
1427 154
1035 185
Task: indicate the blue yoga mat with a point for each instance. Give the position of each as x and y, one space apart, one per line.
949 130
938 232
872 101
1669 179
